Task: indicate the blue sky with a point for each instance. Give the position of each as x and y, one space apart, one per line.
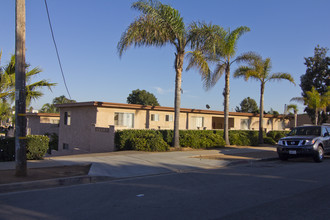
87 33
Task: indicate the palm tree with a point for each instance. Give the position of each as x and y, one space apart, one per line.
259 70
295 111
219 45
316 101
49 108
160 25
4 83
62 100
32 88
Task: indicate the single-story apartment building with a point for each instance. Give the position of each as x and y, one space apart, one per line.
42 123
87 127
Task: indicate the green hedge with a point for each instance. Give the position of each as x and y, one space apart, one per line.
277 135
36 148
160 140
141 140
243 138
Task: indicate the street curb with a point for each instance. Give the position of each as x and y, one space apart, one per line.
251 161
42 184
86 179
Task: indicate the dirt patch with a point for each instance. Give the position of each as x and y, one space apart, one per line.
8 176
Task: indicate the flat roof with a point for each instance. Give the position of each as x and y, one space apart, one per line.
155 108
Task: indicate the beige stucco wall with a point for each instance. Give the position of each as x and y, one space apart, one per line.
41 125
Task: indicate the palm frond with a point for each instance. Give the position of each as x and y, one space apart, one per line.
298 99
247 73
215 76
294 107
282 76
157 25
249 57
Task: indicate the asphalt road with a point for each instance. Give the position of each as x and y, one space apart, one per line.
296 189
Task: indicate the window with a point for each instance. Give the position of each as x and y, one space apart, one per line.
197 122
65 146
245 124
67 118
124 119
154 117
169 118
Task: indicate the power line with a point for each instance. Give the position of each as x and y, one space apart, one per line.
58 56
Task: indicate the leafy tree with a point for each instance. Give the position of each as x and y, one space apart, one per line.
248 105
159 25
259 70
142 97
32 88
317 76
219 47
295 111
315 101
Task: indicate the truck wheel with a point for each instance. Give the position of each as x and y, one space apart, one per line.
319 154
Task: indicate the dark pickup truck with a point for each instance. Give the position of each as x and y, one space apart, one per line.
309 140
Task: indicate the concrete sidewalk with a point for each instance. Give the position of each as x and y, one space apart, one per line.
126 164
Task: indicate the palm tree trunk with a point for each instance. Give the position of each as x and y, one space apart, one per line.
261 115
295 119
226 106
177 100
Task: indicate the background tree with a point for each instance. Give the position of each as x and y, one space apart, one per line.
219 46
248 105
317 76
62 100
159 25
259 70
50 108
315 101
142 97
295 112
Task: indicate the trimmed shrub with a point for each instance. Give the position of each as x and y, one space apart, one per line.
53 142
277 135
141 140
7 149
167 136
243 138
269 140
200 139
36 146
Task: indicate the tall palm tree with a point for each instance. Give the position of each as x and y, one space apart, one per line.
219 47
316 101
259 69
159 25
32 88
295 111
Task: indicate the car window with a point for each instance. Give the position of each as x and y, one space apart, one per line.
306 131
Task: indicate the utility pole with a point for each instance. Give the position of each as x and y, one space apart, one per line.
20 91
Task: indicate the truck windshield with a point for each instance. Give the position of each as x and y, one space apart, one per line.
306 131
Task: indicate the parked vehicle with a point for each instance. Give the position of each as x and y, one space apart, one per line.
309 140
